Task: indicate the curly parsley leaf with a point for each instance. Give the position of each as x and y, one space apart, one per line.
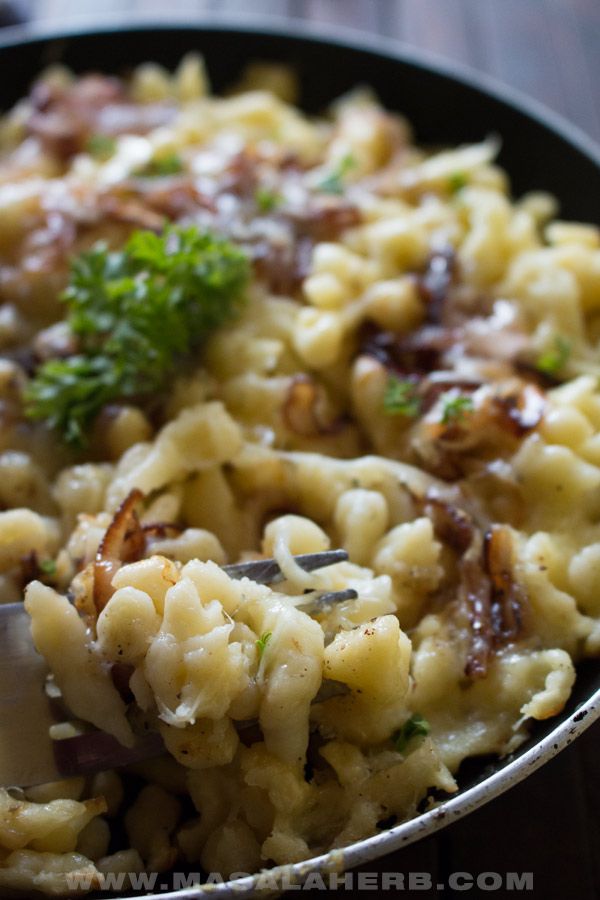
136 313
415 727
400 398
261 643
553 360
68 393
455 407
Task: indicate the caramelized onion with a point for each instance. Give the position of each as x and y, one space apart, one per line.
522 411
64 117
451 525
325 222
301 409
508 597
477 597
285 261
123 541
240 177
175 197
434 284
283 265
495 601
418 353
131 211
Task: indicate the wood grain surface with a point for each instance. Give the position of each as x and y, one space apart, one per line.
549 49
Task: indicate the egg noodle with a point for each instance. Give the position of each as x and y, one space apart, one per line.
412 375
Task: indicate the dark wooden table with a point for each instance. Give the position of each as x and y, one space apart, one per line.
550 49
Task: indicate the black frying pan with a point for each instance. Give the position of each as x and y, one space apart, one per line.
445 106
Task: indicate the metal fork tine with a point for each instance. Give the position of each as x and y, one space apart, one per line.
27 754
316 602
336 596
267 571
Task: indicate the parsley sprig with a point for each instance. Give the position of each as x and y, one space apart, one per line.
415 727
400 398
136 313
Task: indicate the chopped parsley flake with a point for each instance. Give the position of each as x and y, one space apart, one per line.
334 182
457 181
48 567
553 360
160 168
455 407
415 727
266 199
101 146
400 398
261 644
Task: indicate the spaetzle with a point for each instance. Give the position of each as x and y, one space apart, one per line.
413 376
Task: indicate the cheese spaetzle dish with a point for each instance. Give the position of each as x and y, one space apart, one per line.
230 331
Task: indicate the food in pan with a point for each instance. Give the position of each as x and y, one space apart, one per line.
230 330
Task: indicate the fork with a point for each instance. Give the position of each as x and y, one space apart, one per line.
28 755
